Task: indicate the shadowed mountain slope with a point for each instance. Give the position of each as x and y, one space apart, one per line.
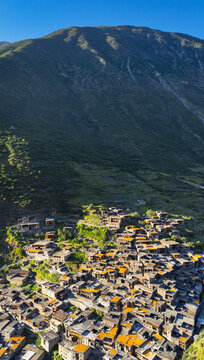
108 113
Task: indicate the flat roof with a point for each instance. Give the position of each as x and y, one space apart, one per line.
81 348
28 355
42 242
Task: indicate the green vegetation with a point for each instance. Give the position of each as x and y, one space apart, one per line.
16 242
32 289
30 336
92 214
75 260
98 234
33 338
78 257
98 312
92 219
64 236
15 170
193 234
140 142
4 246
196 350
73 308
38 340
55 355
135 215
87 236
42 273
150 212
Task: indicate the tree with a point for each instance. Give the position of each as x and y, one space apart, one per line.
19 252
64 236
150 212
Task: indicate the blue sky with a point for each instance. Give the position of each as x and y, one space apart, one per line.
21 19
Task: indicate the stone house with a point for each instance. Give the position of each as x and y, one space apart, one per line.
77 352
49 340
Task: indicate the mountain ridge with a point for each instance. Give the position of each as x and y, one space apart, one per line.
3 43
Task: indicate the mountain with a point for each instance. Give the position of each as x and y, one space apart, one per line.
103 114
3 43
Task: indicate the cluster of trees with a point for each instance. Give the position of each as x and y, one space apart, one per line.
32 288
18 153
150 212
75 260
92 209
65 237
16 242
98 234
92 214
16 175
42 273
78 257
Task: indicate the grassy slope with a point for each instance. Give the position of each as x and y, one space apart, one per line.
99 124
196 350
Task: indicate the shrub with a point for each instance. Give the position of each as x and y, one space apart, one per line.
98 234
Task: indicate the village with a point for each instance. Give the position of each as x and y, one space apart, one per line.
139 299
